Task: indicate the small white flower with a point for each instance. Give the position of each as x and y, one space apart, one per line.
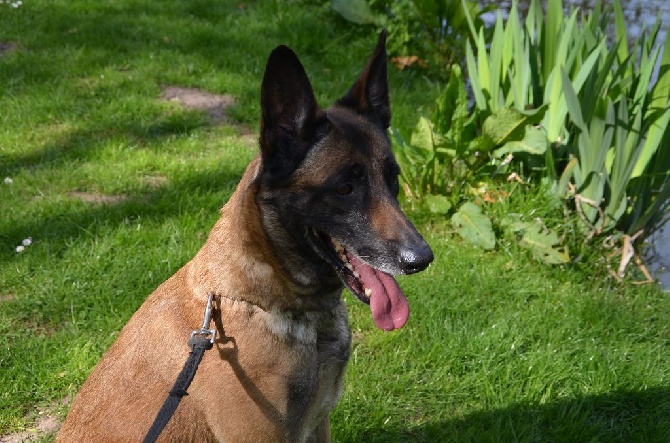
20 248
27 241
8 180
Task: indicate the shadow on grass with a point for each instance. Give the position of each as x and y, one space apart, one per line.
229 36
87 144
197 192
621 416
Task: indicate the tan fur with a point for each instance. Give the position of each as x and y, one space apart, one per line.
267 339
323 177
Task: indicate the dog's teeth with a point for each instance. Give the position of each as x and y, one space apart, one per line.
368 292
343 258
357 275
349 267
337 245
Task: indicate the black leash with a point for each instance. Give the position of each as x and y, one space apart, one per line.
199 343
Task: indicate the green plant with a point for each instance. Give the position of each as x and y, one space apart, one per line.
426 32
497 348
521 67
606 124
448 166
442 155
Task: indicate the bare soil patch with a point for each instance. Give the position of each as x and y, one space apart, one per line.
215 105
155 181
45 424
94 197
7 47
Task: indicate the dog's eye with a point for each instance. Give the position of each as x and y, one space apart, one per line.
345 189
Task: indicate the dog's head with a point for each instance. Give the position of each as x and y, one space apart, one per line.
331 176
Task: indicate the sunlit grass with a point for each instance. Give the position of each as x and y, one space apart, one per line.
118 189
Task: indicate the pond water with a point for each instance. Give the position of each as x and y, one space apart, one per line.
639 15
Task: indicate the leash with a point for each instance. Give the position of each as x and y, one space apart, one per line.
199 343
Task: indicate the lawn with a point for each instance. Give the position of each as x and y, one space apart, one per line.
117 189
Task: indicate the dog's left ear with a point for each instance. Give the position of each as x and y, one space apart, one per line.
370 93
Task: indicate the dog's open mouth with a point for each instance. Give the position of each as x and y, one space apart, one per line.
389 306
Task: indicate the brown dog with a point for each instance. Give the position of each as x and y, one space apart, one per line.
316 209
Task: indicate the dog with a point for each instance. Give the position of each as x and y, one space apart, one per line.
314 212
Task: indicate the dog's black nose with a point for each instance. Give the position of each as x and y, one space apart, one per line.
416 258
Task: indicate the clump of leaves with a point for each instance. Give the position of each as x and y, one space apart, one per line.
449 163
607 137
426 33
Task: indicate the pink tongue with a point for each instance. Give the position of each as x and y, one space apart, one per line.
388 303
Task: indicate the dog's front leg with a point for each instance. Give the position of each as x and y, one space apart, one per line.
321 434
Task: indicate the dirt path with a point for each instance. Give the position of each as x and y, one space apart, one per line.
45 425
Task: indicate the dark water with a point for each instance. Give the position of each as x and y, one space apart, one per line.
639 15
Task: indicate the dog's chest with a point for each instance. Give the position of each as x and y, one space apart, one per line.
320 343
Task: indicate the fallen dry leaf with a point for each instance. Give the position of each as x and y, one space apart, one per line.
406 61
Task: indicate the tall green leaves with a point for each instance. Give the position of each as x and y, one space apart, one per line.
448 155
606 121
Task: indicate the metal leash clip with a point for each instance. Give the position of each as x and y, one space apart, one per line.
204 331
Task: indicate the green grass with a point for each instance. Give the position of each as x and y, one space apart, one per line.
502 349
498 347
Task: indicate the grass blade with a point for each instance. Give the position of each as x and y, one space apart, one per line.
620 31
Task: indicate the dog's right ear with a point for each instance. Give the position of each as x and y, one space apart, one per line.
289 113
370 93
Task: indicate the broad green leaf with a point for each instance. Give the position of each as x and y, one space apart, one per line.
423 136
514 223
474 226
481 143
502 124
544 244
534 142
356 11
438 204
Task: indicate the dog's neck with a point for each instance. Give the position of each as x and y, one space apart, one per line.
240 261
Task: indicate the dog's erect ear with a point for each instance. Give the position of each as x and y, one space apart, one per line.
289 113
370 93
